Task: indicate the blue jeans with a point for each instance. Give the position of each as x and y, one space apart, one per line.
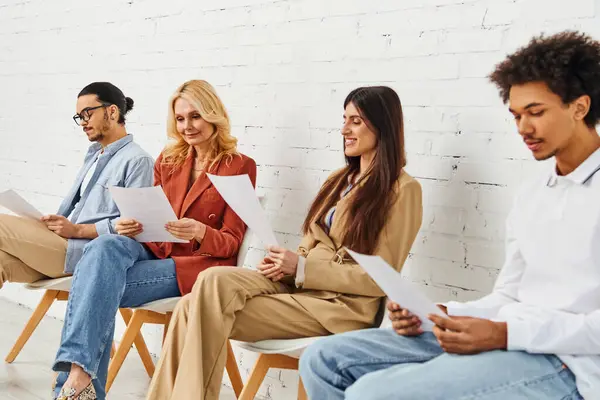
378 364
114 271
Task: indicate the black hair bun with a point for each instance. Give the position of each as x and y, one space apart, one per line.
128 104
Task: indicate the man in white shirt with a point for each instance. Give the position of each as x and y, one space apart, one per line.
537 335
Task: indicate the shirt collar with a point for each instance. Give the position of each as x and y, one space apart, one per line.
581 174
113 147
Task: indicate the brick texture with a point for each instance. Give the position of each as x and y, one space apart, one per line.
283 68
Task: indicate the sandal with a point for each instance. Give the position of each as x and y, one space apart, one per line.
68 393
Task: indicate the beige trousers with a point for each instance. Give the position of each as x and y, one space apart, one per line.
225 303
29 251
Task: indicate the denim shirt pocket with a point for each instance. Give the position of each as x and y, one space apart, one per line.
100 195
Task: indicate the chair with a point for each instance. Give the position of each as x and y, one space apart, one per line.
57 289
160 312
282 354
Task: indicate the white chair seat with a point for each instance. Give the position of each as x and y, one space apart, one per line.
63 283
160 306
289 347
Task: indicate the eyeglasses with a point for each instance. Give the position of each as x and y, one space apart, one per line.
86 114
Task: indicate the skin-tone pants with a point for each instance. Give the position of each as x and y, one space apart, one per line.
29 251
225 303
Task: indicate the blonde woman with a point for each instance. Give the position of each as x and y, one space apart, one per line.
117 271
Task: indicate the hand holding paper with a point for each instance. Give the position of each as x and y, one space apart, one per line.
397 288
150 207
15 203
238 193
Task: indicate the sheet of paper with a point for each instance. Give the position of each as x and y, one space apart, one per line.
150 207
239 194
398 289
15 203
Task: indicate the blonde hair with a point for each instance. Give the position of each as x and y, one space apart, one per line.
203 97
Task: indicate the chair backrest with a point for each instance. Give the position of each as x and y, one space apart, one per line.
245 246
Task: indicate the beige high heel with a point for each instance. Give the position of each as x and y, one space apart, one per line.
68 393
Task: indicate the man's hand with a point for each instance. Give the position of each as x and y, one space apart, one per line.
128 227
466 335
403 322
186 229
61 226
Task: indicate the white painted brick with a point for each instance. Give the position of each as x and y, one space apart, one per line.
283 69
451 194
446 220
463 41
485 225
439 246
484 253
458 275
429 167
486 119
478 65
505 172
431 119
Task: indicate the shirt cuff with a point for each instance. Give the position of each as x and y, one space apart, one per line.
519 334
300 272
104 227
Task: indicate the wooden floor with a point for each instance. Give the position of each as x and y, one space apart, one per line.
29 377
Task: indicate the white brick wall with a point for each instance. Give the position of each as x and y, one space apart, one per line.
283 68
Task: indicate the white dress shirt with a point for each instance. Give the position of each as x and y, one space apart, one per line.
548 291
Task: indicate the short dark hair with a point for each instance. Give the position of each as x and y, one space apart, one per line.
109 94
568 62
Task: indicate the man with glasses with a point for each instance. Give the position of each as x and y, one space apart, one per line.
32 250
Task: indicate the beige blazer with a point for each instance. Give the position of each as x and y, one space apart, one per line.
336 290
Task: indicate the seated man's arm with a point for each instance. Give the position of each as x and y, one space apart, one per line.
538 330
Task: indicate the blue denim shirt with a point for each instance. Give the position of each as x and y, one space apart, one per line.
124 164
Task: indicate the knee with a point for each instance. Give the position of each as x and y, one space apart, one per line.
214 276
321 356
106 241
109 244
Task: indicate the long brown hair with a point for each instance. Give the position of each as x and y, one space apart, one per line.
374 194
204 98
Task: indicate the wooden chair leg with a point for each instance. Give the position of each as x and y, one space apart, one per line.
233 371
133 329
166 327
301 392
139 342
32 324
259 371
113 349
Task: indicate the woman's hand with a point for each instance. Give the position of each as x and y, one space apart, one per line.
269 270
186 229
279 263
128 227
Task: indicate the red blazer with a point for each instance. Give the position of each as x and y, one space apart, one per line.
224 229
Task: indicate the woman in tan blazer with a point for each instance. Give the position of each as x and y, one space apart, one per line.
117 271
371 206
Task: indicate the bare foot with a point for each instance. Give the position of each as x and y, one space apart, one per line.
78 379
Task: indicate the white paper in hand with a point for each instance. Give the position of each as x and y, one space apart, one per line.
15 203
398 289
150 207
239 194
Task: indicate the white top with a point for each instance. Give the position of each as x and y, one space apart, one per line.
88 177
548 291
